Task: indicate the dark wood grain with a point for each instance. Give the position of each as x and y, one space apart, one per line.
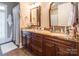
52 46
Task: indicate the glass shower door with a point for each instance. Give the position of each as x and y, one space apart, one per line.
2 27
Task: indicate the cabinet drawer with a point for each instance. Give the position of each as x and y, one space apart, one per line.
36 50
50 49
49 42
62 41
36 35
67 51
37 38
37 43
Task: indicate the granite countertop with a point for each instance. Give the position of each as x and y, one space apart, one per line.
44 32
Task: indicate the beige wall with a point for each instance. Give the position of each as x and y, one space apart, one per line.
24 15
24 11
45 14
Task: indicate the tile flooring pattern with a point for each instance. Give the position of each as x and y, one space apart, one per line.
17 52
5 48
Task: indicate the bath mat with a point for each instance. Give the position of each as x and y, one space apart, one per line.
5 48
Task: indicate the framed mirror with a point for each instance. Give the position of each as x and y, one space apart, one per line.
53 14
78 19
62 16
35 16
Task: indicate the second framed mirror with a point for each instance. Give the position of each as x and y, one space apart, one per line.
62 16
35 16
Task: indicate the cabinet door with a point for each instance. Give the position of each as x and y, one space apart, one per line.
36 44
78 49
66 50
49 48
63 51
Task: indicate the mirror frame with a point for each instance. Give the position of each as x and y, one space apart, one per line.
76 12
38 16
49 14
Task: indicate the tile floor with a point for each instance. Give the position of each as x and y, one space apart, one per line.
17 52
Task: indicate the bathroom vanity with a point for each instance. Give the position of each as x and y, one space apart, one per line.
60 38
51 44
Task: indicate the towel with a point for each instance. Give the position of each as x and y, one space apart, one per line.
9 19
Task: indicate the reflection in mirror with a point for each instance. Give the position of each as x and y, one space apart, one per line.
62 16
77 34
78 20
35 16
54 14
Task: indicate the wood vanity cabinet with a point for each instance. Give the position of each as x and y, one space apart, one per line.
37 44
50 49
78 49
43 45
23 39
66 48
57 47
